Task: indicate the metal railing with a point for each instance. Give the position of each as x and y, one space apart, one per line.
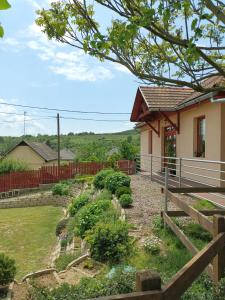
183 172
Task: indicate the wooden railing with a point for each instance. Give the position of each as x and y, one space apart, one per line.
211 257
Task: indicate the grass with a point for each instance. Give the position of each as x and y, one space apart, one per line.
64 259
204 204
28 236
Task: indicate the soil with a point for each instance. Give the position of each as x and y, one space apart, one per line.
46 280
20 291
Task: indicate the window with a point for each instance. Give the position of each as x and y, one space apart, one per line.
200 149
150 142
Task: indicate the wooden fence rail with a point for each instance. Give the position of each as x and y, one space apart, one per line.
53 174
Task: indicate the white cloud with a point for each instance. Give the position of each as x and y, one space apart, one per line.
12 120
73 65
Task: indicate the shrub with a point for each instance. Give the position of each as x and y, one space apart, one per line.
64 259
197 232
122 282
7 269
90 214
60 226
126 200
116 180
7 166
123 190
78 202
152 245
99 179
104 195
109 242
61 189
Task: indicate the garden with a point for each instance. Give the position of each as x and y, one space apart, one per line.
99 254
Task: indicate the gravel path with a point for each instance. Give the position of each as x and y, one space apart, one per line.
148 203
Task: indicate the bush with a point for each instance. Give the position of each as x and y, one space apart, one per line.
79 202
109 242
90 214
152 245
7 269
8 165
123 190
116 180
60 226
104 195
61 189
126 200
64 259
121 282
99 179
197 232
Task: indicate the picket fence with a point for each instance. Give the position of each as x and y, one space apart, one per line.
53 174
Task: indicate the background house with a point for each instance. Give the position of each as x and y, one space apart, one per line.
37 155
180 122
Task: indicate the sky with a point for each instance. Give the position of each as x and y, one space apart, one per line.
39 72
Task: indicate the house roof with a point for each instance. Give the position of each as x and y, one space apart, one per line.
153 99
164 97
67 154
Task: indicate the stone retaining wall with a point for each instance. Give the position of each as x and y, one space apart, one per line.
39 200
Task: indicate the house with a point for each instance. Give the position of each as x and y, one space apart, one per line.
37 155
180 122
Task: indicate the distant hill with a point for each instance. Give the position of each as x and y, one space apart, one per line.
86 145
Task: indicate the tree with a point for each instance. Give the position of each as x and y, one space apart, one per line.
4 4
163 42
128 150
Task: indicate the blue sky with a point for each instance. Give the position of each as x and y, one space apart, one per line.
38 72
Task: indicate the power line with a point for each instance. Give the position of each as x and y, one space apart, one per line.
96 120
65 110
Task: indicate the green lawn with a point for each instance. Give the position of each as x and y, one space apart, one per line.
28 236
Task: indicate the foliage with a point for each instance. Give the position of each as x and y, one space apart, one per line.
61 226
128 150
90 214
7 269
204 204
99 179
160 42
83 179
123 190
121 282
116 180
104 195
196 231
79 202
109 242
4 4
61 189
152 245
64 259
126 200
8 165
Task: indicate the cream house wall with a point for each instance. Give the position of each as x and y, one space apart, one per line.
215 141
27 155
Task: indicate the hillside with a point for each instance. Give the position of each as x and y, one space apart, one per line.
86 145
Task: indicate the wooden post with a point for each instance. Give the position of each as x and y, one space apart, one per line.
219 260
147 281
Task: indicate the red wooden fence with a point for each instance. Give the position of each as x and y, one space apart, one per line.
53 174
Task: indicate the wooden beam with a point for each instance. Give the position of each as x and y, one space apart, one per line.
157 131
179 233
188 274
179 213
202 189
193 213
219 260
176 126
154 295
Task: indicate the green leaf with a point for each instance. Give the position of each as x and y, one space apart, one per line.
4 4
1 31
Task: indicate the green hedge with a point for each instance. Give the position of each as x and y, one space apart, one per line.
99 179
116 180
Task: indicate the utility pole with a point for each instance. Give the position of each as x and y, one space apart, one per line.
24 124
58 136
